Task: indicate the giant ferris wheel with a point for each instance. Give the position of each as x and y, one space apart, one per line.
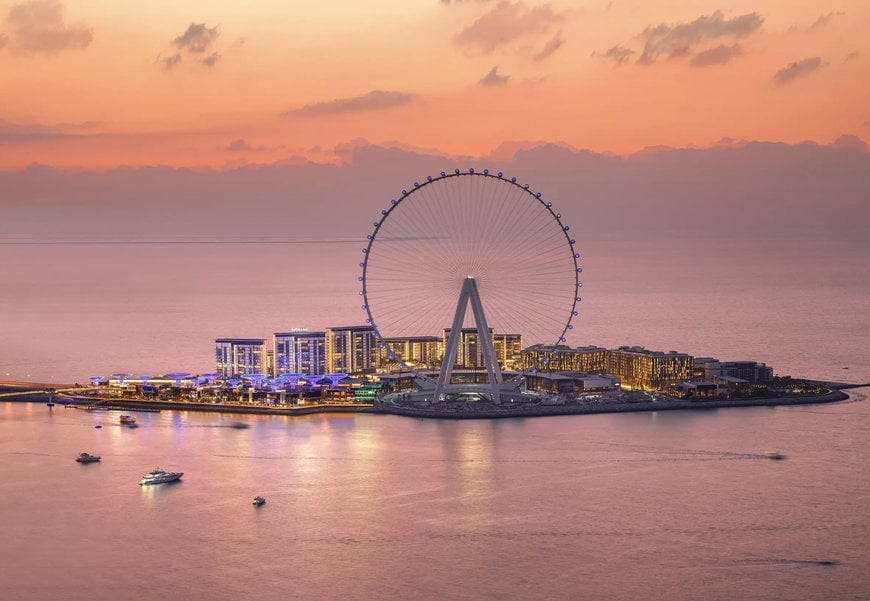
470 240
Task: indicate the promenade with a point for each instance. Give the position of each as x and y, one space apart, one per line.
36 393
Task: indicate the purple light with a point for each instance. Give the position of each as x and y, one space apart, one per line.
513 180
443 173
486 171
500 174
456 171
428 178
471 170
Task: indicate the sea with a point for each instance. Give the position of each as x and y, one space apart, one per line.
676 505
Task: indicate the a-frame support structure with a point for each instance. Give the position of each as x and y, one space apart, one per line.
469 294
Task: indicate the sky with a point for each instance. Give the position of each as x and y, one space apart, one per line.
94 85
698 136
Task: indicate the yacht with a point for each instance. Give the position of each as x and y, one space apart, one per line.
158 476
128 419
87 458
259 500
775 455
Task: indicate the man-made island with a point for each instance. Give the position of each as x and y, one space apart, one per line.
803 392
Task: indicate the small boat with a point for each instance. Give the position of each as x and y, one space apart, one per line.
159 476
87 458
98 426
258 500
775 455
128 419
239 425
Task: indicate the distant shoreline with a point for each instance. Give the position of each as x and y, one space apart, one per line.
34 393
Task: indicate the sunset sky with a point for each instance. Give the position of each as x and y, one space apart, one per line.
221 83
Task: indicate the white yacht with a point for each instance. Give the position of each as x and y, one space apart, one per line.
158 476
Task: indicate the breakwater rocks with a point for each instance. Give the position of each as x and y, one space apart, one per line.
489 411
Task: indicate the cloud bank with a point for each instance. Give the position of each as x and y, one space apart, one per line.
683 38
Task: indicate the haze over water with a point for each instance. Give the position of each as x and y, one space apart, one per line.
93 309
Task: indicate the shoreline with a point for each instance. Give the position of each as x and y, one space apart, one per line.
32 393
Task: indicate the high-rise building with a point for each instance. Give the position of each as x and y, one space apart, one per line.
508 350
351 349
300 352
419 350
235 357
469 351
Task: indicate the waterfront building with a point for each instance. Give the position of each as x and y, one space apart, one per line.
417 350
351 349
709 368
300 352
508 350
585 359
469 352
568 382
235 357
642 368
635 366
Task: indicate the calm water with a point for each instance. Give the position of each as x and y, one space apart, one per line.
674 505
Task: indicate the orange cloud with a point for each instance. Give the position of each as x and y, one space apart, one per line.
506 22
38 28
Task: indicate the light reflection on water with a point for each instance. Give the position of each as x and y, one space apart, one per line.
677 505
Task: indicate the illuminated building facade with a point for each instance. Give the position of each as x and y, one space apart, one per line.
635 366
300 352
641 368
235 357
585 359
351 349
469 353
418 350
508 350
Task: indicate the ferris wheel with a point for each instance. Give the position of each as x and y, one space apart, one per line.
479 237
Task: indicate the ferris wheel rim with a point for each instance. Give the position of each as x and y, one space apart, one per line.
444 175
